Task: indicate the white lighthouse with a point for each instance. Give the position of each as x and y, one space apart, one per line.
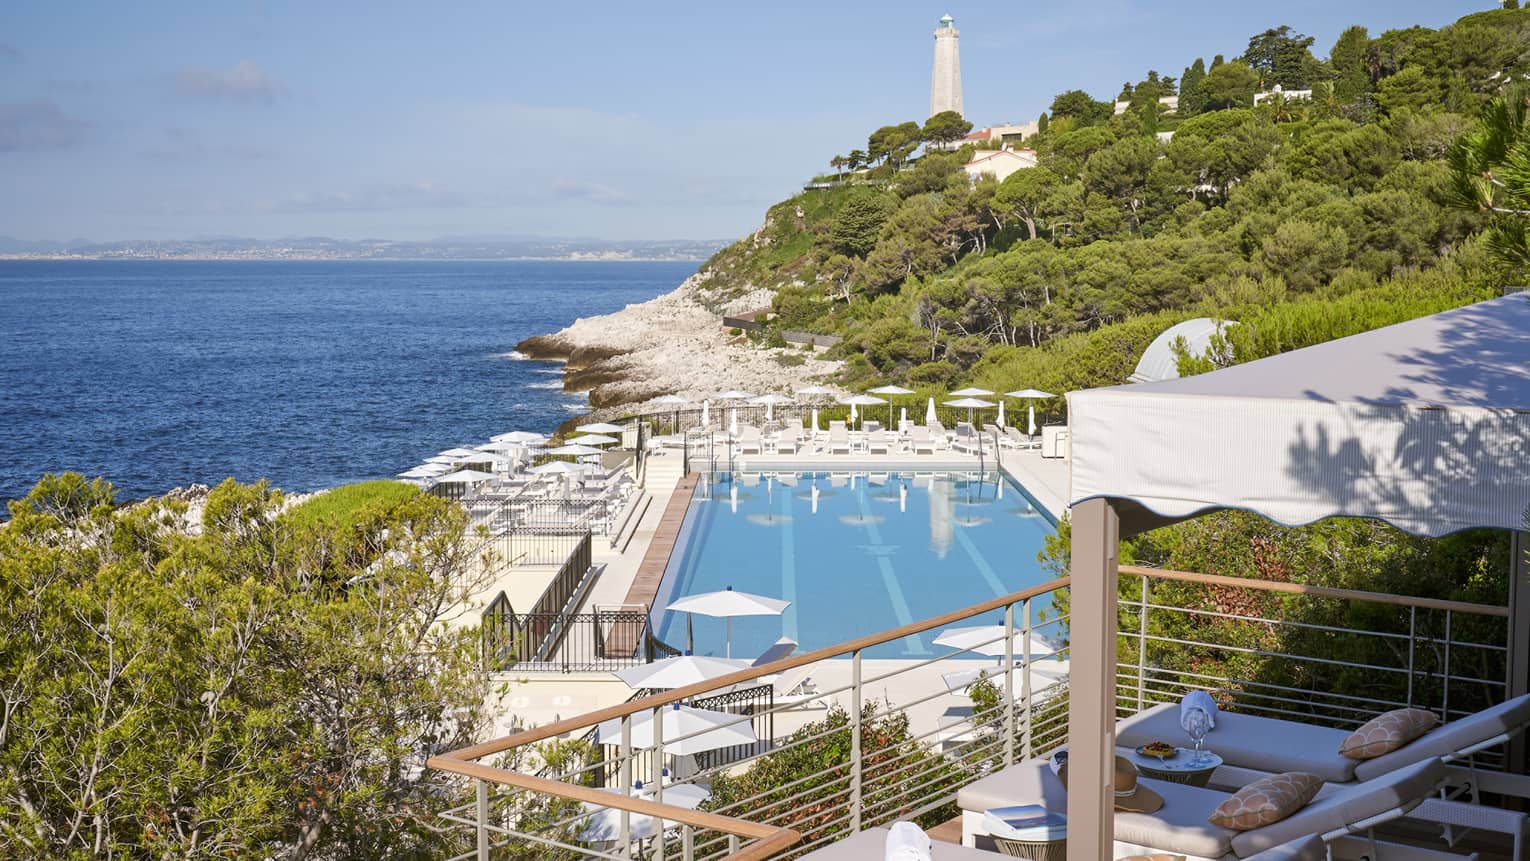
946 81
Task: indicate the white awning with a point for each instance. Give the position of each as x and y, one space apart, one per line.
1425 424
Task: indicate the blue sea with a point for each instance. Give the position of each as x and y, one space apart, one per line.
158 374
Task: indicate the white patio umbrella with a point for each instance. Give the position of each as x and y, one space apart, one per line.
554 467
707 730
989 640
593 439
465 476
770 402
890 391
600 427
1000 419
422 472
501 446
864 401
1030 408
813 393
971 404
706 414
575 450
972 392
727 604
605 823
734 395
522 437
679 671
1042 677
440 458
458 453
902 416
929 413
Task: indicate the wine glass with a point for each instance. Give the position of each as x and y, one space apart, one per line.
1197 723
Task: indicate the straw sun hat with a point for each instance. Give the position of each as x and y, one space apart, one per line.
1131 796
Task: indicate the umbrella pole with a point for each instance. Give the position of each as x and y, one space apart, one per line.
728 625
690 634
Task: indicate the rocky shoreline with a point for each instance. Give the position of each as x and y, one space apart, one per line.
674 344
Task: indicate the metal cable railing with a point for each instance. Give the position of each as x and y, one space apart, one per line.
879 740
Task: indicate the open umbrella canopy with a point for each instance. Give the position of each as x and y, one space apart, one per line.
671 400
465 476
593 439
459 452
815 391
428 471
972 392
523 437
560 466
501 446
679 671
573 450
1030 393
772 398
989 640
730 603
734 395
891 390
970 403
605 823
1042 677
600 427
863 400
440 458
685 729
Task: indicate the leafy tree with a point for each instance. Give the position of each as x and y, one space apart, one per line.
1229 85
856 160
1042 122
268 686
1348 62
859 220
1280 56
945 127
1410 89
1083 109
1030 195
838 163
894 143
1190 97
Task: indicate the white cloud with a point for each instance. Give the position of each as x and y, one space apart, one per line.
243 83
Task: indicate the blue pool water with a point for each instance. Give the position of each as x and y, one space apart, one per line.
854 553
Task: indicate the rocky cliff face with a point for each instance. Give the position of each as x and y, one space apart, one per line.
672 344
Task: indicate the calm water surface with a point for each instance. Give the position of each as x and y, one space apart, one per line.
159 374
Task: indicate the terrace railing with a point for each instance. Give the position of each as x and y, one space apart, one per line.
1306 653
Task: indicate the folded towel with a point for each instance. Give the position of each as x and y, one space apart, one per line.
907 842
1198 700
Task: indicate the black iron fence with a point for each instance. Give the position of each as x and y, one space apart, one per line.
568 642
719 417
532 545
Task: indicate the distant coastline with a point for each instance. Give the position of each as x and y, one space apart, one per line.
529 249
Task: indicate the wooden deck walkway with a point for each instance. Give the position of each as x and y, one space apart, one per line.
623 639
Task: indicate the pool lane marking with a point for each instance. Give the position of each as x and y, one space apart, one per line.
911 643
788 570
978 561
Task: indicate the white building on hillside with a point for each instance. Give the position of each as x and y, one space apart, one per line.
999 163
1169 103
1290 95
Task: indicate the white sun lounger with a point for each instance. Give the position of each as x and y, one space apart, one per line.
839 438
920 440
750 440
876 442
787 444
1252 746
1182 825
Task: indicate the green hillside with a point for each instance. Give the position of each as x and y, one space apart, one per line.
1301 217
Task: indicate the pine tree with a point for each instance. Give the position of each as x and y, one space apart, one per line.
1348 61
1190 98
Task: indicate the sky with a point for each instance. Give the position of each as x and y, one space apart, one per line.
617 120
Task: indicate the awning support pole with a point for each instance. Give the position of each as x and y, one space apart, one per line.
1092 682
1519 637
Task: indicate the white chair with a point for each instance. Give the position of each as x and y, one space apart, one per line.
839 438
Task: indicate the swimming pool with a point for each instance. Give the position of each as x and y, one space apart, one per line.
854 553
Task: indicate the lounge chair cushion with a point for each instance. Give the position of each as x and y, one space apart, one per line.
871 845
1401 790
1250 741
1310 848
1455 736
1179 827
1387 732
1156 856
1267 800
